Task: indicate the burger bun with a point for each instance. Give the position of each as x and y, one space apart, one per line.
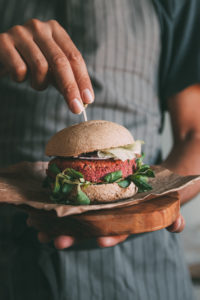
88 137
106 193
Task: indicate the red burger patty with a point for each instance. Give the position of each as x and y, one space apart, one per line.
95 170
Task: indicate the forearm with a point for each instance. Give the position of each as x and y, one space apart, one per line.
184 159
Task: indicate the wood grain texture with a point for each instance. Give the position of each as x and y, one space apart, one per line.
148 216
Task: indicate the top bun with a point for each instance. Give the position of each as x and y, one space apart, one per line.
88 137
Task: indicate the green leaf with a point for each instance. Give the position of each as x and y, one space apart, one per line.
86 183
82 180
139 161
54 168
144 168
66 188
56 186
69 181
141 178
148 173
141 182
73 173
124 183
81 198
112 177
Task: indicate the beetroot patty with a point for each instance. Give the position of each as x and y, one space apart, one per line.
95 170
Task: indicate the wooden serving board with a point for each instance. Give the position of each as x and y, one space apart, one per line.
151 215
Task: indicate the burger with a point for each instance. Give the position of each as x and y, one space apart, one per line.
95 162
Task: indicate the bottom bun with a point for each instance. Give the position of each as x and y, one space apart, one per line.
109 192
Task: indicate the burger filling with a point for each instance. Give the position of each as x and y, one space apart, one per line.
94 170
65 175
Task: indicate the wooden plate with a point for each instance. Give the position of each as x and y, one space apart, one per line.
148 216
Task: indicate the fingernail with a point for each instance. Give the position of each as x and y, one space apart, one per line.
177 225
63 242
106 242
68 242
76 106
87 96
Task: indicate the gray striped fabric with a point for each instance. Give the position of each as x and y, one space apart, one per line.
120 41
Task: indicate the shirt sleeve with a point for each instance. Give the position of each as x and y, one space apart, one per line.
180 55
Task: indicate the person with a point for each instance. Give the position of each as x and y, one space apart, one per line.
142 58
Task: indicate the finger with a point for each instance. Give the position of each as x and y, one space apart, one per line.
64 76
43 238
63 241
110 241
76 61
33 57
61 71
178 225
11 59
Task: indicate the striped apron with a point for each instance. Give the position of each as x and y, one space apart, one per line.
120 42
